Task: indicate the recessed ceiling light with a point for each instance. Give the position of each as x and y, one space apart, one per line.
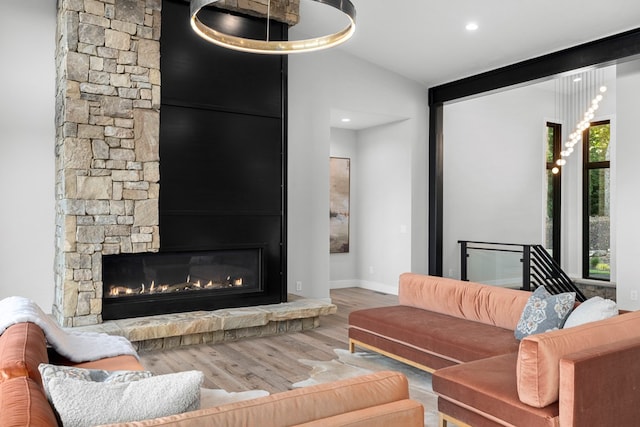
471 26
345 120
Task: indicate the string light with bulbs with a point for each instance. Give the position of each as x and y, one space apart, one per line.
576 136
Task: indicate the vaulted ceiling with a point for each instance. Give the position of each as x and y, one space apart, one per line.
426 40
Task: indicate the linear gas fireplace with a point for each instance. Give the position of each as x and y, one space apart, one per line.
154 283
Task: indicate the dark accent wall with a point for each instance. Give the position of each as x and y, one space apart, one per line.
223 145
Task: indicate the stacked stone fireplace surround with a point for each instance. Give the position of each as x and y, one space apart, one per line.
107 152
107 162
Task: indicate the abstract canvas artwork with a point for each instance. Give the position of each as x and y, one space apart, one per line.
339 194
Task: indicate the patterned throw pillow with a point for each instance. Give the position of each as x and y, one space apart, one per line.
544 312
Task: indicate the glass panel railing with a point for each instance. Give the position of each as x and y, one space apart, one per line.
513 266
495 267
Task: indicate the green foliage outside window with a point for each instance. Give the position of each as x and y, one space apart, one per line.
599 137
597 209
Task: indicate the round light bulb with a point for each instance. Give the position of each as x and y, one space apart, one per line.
599 98
555 170
603 89
570 150
561 162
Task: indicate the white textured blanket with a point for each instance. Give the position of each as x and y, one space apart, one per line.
75 346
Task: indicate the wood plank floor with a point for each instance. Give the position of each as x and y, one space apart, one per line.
269 363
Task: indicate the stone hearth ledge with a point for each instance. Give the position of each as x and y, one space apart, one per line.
173 330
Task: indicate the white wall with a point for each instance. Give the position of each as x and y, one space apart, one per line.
490 176
627 213
381 207
27 141
493 170
343 266
385 222
330 79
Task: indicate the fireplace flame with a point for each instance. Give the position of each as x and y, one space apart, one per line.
144 289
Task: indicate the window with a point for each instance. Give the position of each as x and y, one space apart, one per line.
552 225
596 234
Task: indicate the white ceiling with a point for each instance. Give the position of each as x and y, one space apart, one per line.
426 40
358 120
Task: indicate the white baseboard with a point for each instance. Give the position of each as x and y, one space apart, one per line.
379 287
341 284
364 284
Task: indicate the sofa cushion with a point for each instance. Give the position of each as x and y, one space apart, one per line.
22 349
544 312
23 404
488 387
596 308
539 355
466 300
448 337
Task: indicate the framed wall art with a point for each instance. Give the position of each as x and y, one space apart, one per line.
339 204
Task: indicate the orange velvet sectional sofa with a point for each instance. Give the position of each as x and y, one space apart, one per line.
380 399
463 332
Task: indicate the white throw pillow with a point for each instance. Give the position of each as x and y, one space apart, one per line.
596 308
82 403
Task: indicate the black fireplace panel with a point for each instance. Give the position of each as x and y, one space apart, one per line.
207 75
222 171
215 161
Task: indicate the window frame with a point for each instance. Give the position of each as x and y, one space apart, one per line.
587 167
556 188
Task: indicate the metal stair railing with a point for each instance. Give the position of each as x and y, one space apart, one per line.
546 271
538 267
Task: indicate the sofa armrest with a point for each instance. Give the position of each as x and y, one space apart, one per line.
296 406
599 386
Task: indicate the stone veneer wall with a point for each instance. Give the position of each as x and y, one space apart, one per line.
107 140
286 11
107 157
